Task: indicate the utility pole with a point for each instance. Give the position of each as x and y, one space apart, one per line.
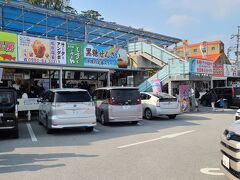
237 53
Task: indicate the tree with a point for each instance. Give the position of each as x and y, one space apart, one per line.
60 5
92 14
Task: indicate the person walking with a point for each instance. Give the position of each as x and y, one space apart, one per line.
213 98
197 96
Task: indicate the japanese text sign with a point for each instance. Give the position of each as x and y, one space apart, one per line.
8 46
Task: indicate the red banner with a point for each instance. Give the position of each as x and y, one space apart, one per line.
218 70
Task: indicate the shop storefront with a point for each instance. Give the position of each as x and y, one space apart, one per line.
61 64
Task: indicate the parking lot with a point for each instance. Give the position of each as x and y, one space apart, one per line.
181 149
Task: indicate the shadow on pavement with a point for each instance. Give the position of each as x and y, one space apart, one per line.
27 162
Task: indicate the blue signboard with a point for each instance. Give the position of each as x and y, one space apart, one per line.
102 56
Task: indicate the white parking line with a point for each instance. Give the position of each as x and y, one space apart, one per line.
156 139
212 171
30 130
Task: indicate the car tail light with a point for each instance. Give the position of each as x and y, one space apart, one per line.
110 101
138 101
158 103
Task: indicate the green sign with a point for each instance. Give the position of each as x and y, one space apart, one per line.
75 54
8 46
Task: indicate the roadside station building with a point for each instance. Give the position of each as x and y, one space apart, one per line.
60 49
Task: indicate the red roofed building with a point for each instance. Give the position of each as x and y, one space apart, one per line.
213 51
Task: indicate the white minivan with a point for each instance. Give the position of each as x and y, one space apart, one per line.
118 104
67 108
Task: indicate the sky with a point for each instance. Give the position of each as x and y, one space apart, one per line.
193 20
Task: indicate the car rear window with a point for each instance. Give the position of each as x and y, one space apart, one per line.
125 95
6 98
164 97
69 96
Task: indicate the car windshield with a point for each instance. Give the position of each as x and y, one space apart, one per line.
6 98
70 96
124 95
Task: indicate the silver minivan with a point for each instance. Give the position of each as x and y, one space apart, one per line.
67 108
118 104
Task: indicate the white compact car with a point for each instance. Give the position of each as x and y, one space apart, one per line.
67 108
157 104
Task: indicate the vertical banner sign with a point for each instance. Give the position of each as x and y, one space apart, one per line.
8 46
203 48
156 85
41 51
60 52
102 56
184 98
75 54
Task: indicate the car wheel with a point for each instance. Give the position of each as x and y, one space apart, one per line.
15 134
172 116
89 129
102 119
148 114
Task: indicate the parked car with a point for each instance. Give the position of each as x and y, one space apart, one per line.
157 104
9 111
230 94
118 104
67 108
230 149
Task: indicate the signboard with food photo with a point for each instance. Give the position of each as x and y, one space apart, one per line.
102 56
8 46
41 51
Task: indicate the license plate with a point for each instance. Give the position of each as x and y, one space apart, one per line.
1 114
226 161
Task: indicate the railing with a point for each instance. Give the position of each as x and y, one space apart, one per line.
175 65
162 75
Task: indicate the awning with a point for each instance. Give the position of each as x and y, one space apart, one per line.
218 78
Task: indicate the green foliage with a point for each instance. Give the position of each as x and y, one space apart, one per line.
92 14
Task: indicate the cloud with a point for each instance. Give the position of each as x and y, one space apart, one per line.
179 20
214 8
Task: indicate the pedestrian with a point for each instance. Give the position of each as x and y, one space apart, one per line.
197 96
213 99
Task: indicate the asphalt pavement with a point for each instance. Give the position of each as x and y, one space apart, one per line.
186 148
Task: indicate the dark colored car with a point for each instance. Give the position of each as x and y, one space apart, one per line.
230 94
8 111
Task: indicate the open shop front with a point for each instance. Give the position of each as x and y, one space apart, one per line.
24 77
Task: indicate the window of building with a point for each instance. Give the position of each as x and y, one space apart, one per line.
213 48
194 50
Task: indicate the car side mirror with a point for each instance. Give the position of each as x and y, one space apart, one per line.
94 98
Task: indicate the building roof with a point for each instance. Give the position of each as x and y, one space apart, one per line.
24 18
198 44
211 57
